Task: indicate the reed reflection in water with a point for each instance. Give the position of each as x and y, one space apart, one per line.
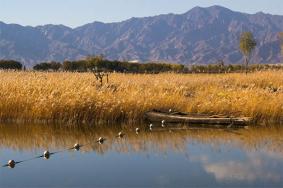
185 157
33 137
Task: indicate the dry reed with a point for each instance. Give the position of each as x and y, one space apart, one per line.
77 97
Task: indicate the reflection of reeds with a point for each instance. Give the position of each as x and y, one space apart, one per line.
33 137
75 97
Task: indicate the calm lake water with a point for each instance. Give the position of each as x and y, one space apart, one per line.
179 158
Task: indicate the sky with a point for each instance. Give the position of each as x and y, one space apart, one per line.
75 13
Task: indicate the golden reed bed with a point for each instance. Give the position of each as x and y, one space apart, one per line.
78 98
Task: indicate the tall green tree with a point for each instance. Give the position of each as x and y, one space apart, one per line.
247 45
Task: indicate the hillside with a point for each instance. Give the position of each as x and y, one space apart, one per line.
201 35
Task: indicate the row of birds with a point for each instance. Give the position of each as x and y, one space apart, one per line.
77 146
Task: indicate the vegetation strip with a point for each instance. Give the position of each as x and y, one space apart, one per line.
75 98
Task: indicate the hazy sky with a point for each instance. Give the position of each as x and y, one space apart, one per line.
78 12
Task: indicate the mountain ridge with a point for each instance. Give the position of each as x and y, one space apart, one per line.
198 36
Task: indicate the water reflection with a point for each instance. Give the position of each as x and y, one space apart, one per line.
33 137
185 157
253 168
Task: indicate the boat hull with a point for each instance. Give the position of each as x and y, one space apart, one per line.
183 118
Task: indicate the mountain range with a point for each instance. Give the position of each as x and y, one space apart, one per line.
199 36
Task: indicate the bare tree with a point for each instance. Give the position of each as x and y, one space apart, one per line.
247 45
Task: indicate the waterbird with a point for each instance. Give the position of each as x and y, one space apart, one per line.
11 163
101 140
137 130
150 126
170 110
46 154
163 123
121 135
77 146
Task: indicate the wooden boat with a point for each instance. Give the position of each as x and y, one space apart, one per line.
190 118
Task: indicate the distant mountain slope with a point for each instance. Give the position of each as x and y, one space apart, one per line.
201 35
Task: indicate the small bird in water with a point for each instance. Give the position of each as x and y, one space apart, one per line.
77 146
46 154
120 135
163 123
137 130
150 126
170 110
11 163
101 140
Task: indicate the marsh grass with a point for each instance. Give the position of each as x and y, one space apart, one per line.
79 98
